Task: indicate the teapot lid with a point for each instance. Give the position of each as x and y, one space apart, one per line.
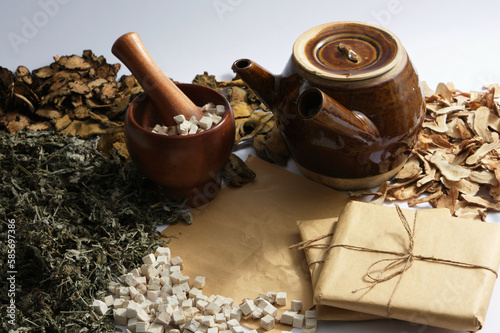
347 51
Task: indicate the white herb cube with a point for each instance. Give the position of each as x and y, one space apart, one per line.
281 298
220 110
287 317
267 322
298 320
205 122
199 282
150 259
179 119
99 307
247 307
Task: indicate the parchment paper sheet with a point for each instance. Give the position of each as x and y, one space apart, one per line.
430 293
240 240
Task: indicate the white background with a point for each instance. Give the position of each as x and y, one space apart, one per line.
456 41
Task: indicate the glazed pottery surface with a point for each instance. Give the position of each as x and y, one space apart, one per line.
184 167
348 103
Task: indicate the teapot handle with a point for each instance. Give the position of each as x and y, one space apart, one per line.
315 105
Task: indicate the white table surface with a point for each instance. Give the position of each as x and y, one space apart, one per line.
456 41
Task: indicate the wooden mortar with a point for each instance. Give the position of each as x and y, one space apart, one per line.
167 99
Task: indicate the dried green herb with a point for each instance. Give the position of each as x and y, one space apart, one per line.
81 220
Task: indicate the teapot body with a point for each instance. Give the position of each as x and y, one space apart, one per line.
348 103
393 101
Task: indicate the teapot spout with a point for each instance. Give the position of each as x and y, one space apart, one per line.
260 80
325 112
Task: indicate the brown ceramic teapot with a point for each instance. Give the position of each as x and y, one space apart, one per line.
348 103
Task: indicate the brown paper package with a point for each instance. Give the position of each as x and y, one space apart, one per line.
431 292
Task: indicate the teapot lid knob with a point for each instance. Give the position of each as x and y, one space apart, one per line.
347 51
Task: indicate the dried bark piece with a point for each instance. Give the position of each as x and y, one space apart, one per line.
237 94
481 152
120 146
477 98
428 198
381 194
438 125
106 92
206 80
450 109
79 87
495 86
447 200
62 123
444 92
457 129
258 122
233 83
113 139
429 171
236 172
481 202
82 112
441 141
272 147
84 129
378 196
52 96
481 118
241 109
14 121
451 172
44 72
96 83
428 92
494 122
471 212
72 62
410 170
409 192
430 176
24 101
494 189
260 147
23 74
42 126
463 186
239 124
49 113
483 177
102 119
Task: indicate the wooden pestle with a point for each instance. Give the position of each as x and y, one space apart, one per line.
165 96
